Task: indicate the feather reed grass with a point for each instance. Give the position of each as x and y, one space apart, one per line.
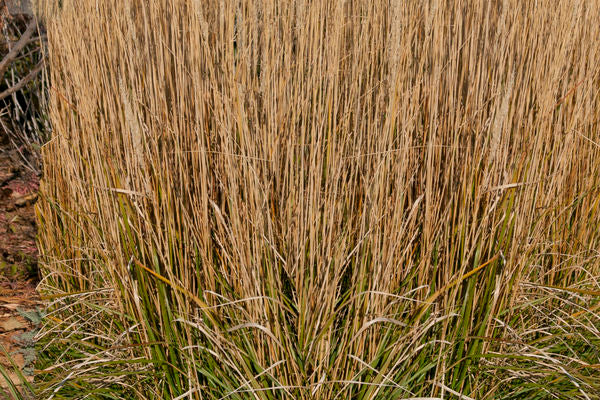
322 200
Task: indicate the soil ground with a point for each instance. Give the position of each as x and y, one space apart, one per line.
19 315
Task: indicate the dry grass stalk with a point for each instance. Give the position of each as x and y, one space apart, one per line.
326 199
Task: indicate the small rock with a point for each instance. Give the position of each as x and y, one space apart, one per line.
19 7
26 200
12 324
18 359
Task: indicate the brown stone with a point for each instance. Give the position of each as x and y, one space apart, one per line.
26 200
12 324
19 7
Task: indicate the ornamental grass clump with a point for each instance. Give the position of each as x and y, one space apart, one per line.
322 200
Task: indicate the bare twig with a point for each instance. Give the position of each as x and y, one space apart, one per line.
31 27
19 85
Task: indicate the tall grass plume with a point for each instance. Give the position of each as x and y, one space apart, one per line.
322 200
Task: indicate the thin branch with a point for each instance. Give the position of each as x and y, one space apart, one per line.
19 85
12 54
9 43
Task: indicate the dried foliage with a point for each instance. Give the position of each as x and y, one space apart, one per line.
23 85
322 200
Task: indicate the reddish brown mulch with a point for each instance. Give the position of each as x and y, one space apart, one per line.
18 259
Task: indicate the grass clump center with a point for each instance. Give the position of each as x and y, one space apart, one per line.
322 200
